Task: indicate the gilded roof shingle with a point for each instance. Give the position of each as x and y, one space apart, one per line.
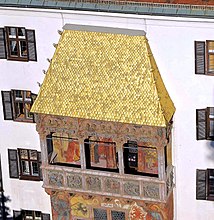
105 76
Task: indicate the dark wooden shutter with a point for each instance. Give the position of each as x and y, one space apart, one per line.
7 105
45 216
31 42
201 124
201 184
17 215
40 163
3 53
13 163
199 57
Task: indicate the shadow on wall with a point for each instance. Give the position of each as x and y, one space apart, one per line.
4 210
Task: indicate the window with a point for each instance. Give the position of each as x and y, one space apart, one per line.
140 160
205 184
17 43
63 149
25 164
101 154
204 57
103 214
205 123
17 105
30 215
100 214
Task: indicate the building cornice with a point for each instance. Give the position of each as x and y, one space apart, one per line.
125 7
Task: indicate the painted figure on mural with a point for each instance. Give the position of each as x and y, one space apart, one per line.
61 206
66 149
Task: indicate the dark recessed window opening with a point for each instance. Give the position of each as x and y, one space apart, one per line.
63 150
101 154
140 160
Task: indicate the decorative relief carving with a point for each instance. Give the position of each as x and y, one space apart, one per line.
84 127
74 181
112 185
93 183
56 122
55 178
169 181
151 190
132 188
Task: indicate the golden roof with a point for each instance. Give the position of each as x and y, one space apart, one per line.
105 74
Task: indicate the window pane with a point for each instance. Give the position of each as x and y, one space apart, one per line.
211 182
18 94
21 33
27 96
100 214
23 154
117 215
28 215
13 48
28 114
12 32
19 110
211 133
23 48
211 62
211 122
35 168
211 46
25 167
33 154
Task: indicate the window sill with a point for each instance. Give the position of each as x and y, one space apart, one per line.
31 178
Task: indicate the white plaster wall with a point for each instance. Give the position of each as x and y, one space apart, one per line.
172 43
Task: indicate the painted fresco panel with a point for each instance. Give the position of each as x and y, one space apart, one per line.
147 160
103 153
66 149
68 206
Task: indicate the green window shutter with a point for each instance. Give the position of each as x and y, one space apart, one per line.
13 163
31 42
3 52
201 184
7 105
201 124
199 57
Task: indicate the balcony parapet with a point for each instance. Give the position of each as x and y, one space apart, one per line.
109 184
